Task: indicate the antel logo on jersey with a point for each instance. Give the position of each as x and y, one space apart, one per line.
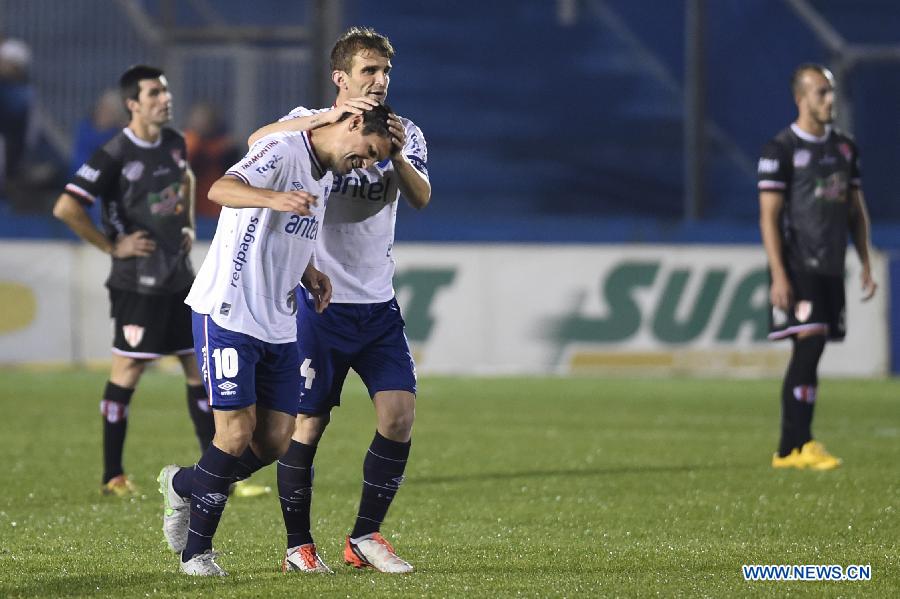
87 173
271 165
258 156
802 158
358 186
305 226
240 259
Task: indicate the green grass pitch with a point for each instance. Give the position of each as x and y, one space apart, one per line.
539 487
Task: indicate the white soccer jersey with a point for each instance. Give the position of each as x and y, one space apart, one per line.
258 255
356 242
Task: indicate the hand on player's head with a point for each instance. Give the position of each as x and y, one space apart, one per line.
298 202
398 134
353 106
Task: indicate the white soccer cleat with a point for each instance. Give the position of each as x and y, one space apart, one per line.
176 510
304 558
374 551
203 564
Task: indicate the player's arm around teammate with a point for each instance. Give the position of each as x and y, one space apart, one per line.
357 105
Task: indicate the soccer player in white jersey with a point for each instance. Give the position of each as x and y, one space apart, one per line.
244 308
363 328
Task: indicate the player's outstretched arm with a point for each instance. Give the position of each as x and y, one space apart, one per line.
234 193
770 206
313 121
859 233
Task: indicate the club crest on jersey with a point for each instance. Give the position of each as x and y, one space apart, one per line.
803 310
133 170
133 334
844 148
178 157
802 158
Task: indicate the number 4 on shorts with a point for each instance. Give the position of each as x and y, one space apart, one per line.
308 372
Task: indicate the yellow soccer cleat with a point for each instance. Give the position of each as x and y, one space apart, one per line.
817 457
120 486
791 460
244 488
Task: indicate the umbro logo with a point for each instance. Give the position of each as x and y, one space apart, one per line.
227 386
215 498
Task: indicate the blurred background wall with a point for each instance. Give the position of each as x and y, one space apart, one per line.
550 121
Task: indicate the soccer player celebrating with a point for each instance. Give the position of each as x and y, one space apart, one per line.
363 328
810 200
146 191
243 313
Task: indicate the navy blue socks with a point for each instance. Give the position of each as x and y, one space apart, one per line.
295 479
382 476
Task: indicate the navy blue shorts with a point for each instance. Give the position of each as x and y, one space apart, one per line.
239 370
369 338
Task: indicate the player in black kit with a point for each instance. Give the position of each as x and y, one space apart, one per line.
146 190
810 200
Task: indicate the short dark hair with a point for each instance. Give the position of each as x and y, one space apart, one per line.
797 76
130 81
355 40
375 121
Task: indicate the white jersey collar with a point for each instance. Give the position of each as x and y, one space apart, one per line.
140 142
805 136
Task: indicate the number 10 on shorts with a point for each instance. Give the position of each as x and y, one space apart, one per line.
226 360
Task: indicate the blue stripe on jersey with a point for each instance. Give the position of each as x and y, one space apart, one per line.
312 155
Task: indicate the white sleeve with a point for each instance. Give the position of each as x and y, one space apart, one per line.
296 114
261 166
415 149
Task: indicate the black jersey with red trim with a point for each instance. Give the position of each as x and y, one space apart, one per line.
816 175
139 185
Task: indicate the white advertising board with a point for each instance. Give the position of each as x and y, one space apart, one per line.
485 309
